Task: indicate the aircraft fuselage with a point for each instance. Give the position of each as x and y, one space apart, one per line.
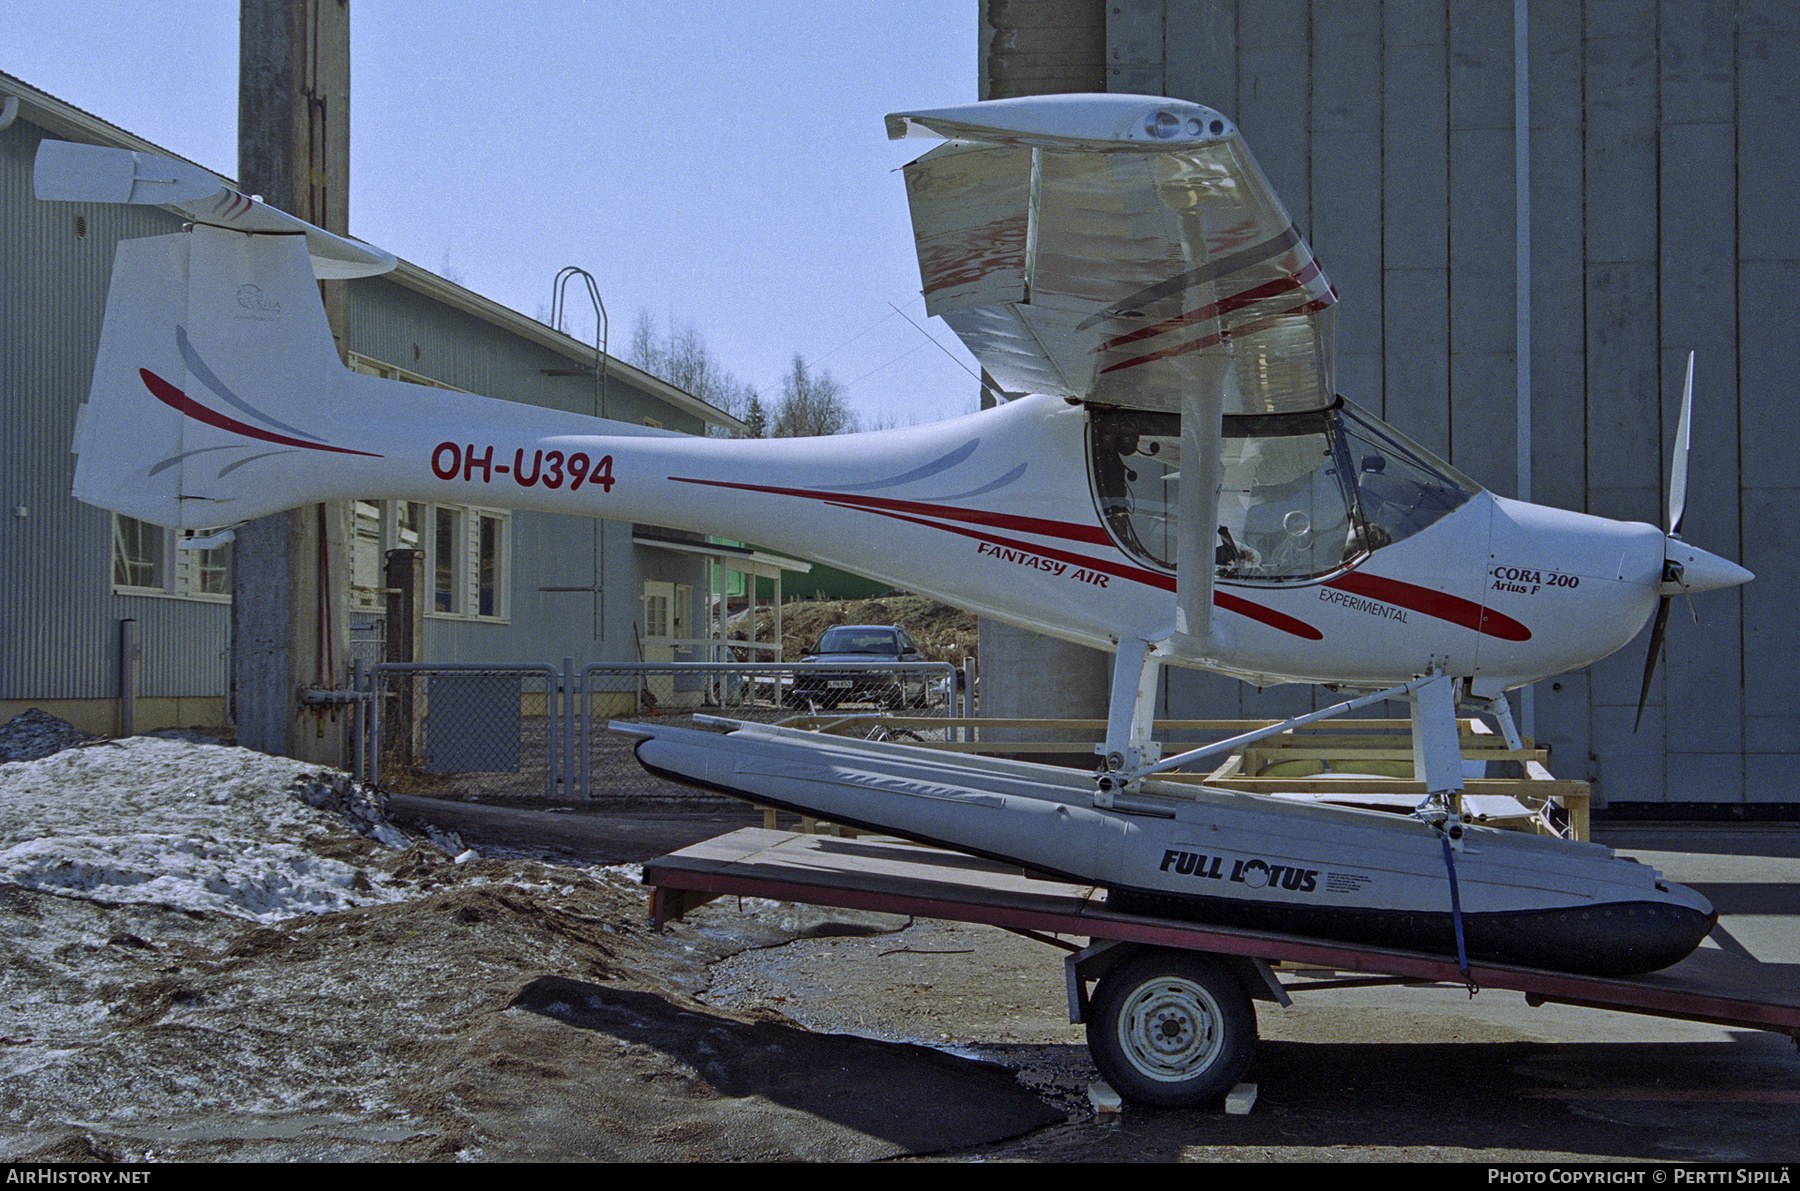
1001 512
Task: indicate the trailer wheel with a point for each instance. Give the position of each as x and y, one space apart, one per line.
1171 1029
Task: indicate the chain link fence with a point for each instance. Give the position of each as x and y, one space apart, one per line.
368 642
468 731
539 732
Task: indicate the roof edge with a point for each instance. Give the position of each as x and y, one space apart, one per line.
72 123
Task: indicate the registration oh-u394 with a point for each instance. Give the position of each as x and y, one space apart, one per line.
552 469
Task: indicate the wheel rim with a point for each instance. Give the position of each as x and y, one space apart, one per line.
1169 1029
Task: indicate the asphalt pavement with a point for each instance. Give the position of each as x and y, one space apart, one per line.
1386 1073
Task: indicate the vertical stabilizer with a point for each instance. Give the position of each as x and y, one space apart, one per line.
215 353
123 432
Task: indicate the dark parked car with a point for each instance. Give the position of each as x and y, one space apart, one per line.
816 684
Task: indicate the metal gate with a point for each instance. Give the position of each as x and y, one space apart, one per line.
537 731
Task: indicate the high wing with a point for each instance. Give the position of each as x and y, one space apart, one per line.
1117 249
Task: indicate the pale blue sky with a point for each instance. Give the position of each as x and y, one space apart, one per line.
724 163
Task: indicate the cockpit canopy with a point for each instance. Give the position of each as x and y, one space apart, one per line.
1302 495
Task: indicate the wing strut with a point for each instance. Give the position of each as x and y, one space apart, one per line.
1197 503
1114 782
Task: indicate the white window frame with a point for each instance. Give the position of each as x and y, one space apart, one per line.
375 529
447 561
463 566
179 574
494 605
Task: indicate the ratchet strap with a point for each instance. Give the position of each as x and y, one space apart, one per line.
1462 952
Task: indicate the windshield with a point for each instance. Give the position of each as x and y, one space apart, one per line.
1301 495
847 639
1401 487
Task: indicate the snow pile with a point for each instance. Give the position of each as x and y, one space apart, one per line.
33 734
191 827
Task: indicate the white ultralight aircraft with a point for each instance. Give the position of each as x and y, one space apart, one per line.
1182 486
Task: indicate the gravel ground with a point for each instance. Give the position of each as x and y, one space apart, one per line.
204 957
209 955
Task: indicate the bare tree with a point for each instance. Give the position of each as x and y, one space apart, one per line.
680 356
812 403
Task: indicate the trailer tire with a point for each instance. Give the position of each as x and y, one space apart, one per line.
1171 1029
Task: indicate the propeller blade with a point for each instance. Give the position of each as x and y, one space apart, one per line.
1678 467
1656 647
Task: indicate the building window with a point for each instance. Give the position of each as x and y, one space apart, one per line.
466 549
138 553
448 561
367 574
146 561
206 572
656 614
409 525
380 526
489 565
466 560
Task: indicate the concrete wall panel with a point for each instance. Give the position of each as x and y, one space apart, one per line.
1347 230
1483 418
1347 67
1769 777
1415 163
1275 97
1135 53
1201 41
1665 170
1629 766
1624 386
1417 376
1482 241
1705 777
1481 64
1772 550
1561 708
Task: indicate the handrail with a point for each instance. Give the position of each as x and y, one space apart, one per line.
601 327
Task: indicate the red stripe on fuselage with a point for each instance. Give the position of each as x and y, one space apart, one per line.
1065 530
175 399
1455 609
929 516
1424 600
1221 599
1268 616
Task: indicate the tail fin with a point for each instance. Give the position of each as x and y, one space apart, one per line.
215 353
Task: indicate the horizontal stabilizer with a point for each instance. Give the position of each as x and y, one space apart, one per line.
74 173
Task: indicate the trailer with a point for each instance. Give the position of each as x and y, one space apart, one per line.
1170 1017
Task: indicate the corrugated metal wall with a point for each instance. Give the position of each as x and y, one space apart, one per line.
58 614
1664 172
